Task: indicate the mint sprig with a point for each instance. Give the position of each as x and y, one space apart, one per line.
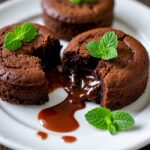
82 1
113 121
122 120
22 34
106 48
12 42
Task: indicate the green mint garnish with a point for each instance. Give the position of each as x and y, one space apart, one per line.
106 48
112 129
76 1
113 121
22 34
97 117
11 42
122 120
82 1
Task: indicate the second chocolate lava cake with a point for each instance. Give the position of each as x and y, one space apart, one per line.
67 19
123 79
22 79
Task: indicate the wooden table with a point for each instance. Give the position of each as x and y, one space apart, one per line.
147 2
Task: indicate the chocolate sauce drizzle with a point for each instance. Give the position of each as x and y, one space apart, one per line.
60 118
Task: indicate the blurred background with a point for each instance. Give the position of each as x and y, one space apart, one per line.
147 2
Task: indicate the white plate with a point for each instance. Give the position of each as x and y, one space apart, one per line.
19 124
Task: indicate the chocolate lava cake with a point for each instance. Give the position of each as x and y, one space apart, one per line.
122 80
67 19
22 79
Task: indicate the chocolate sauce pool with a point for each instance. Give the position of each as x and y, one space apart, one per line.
60 118
69 139
42 135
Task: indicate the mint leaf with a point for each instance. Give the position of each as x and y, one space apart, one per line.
82 1
110 40
105 48
11 42
22 34
18 33
109 54
29 32
96 117
94 47
103 118
122 120
76 1
112 129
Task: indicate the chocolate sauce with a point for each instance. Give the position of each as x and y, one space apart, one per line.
42 135
69 139
60 118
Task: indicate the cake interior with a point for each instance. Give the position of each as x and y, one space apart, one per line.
83 78
48 54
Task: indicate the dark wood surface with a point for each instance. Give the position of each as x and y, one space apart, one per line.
2 1
147 2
